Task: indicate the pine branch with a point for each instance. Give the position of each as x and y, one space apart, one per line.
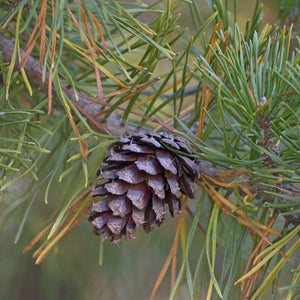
258 189
112 125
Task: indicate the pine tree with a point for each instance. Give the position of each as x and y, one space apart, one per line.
122 89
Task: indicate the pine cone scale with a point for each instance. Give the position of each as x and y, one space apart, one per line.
131 174
115 224
157 183
130 228
158 207
186 185
138 148
171 143
116 187
149 165
174 185
191 166
151 141
100 206
120 206
174 205
122 156
102 220
98 191
138 216
138 195
166 160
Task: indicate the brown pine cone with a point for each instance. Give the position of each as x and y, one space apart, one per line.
143 172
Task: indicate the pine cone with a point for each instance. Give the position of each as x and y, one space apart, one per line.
141 175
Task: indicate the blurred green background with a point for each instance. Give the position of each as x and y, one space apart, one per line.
72 271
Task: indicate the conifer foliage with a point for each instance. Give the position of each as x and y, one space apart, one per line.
164 113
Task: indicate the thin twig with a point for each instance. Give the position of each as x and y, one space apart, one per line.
112 125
